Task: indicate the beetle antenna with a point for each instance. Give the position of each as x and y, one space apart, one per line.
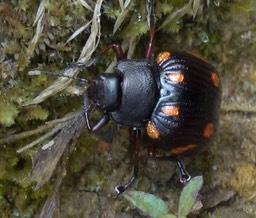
88 63
38 72
77 66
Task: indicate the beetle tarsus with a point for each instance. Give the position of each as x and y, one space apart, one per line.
122 188
184 175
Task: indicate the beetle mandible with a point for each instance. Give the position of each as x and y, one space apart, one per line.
171 103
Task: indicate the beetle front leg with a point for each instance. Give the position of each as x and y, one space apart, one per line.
135 141
88 106
99 124
116 47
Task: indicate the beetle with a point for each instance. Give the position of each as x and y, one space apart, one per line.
171 103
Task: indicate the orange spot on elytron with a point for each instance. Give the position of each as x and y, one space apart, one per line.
215 79
152 131
208 130
182 149
176 77
163 56
171 110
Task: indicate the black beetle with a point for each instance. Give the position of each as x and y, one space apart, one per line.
171 104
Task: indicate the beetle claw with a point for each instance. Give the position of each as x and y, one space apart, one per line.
119 190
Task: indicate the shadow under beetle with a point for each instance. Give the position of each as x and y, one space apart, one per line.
171 103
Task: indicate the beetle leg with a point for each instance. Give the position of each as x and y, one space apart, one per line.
135 137
116 48
151 22
88 105
184 175
99 124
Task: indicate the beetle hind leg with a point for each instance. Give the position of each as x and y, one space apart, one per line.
135 141
184 175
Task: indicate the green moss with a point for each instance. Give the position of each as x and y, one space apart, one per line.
8 112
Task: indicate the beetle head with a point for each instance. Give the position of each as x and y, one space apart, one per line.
105 91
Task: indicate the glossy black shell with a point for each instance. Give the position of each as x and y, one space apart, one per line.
197 96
